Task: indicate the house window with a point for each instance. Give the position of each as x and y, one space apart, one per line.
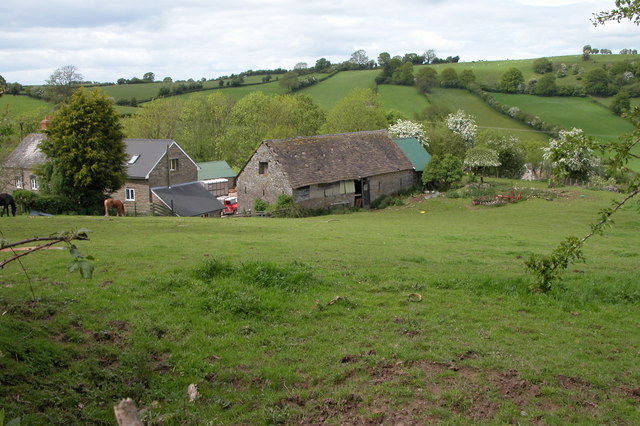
19 182
263 167
34 183
129 194
173 164
134 159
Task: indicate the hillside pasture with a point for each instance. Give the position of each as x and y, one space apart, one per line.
583 113
404 99
327 93
18 104
489 119
416 314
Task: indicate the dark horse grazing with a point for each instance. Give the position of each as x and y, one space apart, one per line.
116 204
7 200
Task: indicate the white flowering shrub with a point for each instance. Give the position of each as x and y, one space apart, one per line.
572 155
464 125
409 129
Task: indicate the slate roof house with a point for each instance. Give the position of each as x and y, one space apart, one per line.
350 169
151 164
19 168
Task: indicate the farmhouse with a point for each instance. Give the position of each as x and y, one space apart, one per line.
350 169
151 164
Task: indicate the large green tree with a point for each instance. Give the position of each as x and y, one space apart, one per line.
84 149
360 110
62 82
159 119
512 81
426 79
203 122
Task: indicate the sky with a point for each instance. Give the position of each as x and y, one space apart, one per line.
111 39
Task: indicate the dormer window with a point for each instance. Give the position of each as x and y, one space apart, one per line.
134 159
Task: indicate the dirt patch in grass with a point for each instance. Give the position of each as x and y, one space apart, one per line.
445 391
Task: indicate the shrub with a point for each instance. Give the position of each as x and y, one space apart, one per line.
283 201
260 205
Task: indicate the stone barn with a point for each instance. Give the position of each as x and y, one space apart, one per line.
347 169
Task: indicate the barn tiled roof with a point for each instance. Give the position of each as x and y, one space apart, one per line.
188 199
27 155
330 158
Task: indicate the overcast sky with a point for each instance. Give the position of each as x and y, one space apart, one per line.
110 39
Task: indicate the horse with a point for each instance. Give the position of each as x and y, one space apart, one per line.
116 204
7 200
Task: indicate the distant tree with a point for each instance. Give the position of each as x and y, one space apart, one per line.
322 65
404 75
429 56
621 103
464 125
359 58
300 66
63 82
158 119
290 81
426 79
478 159
449 78
596 82
546 85
3 85
542 66
14 89
510 155
442 172
361 109
586 48
413 58
512 81
84 149
383 58
121 81
203 122
466 78
149 77
389 71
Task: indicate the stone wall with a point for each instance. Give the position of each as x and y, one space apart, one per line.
187 171
268 185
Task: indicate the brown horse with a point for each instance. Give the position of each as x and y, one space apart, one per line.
116 204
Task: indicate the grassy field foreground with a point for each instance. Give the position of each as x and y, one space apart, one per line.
414 314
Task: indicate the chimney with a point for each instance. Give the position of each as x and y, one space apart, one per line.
44 124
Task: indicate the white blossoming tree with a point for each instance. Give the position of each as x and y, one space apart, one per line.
409 129
478 159
464 125
572 155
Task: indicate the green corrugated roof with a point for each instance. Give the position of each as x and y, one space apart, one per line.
415 152
214 170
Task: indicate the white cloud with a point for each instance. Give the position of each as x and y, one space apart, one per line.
198 38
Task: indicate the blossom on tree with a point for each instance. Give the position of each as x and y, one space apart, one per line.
572 155
464 125
409 129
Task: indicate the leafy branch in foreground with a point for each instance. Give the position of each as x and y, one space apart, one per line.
547 269
78 263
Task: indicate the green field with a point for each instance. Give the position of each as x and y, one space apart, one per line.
17 105
582 113
416 314
489 72
330 91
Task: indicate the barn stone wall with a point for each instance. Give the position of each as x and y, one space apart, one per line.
254 183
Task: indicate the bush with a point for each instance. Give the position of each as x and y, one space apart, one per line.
442 172
52 204
385 201
284 201
260 205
